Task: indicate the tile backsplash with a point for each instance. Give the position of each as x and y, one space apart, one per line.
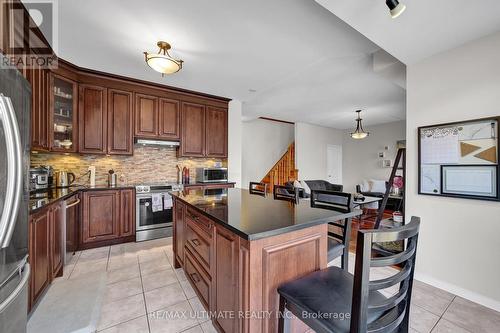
148 165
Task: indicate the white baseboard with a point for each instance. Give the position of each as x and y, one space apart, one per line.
459 291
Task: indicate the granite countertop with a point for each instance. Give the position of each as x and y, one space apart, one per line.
253 216
41 199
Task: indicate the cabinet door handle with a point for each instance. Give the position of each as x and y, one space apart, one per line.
195 277
196 242
76 202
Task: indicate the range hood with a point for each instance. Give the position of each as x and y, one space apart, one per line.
147 142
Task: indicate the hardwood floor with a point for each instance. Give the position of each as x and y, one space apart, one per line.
368 223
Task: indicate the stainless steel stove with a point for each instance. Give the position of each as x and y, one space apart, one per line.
154 210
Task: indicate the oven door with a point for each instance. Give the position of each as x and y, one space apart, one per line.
146 218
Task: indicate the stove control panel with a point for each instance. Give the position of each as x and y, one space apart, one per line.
158 188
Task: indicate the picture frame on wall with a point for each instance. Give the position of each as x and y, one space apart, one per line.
460 159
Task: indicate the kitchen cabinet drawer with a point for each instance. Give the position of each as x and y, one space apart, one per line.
200 243
203 222
198 278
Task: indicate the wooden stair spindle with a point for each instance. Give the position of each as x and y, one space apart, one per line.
283 171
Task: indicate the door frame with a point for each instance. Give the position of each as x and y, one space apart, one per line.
338 148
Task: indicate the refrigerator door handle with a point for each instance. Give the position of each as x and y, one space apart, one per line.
18 289
13 191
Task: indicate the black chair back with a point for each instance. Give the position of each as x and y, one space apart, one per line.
286 193
396 309
338 201
258 188
341 202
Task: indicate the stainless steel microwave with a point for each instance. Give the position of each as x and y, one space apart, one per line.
211 175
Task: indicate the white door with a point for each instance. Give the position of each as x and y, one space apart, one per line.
334 164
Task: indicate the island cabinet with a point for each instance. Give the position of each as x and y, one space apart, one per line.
108 217
234 274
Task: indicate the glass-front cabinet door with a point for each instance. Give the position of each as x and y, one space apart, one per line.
63 118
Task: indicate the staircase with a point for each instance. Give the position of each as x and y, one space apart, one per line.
283 171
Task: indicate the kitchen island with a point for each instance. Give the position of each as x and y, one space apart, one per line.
236 248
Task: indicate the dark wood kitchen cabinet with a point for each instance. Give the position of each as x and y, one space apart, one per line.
39 231
63 121
192 130
203 131
169 119
227 246
127 213
120 123
179 230
156 118
108 217
215 132
146 116
39 80
92 119
73 205
100 216
57 221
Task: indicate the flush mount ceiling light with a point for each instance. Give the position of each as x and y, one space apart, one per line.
395 8
162 61
359 132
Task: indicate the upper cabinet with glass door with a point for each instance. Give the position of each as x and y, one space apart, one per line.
63 118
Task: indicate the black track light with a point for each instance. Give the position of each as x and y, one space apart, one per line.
395 7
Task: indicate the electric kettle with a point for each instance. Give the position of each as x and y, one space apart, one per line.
64 178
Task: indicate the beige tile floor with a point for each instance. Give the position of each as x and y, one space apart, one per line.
143 287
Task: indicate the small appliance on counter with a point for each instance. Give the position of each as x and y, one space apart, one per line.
64 178
211 175
50 175
39 179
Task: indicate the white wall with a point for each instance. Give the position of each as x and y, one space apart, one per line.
234 155
459 244
263 144
310 149
360 157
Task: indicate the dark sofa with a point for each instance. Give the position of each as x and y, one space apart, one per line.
317 185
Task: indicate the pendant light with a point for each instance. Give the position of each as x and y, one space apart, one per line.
162 61
395 8
359 132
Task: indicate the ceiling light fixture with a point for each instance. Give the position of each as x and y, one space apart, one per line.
395 8
162 61
359 132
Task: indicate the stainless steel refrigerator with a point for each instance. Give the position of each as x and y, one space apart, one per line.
15 100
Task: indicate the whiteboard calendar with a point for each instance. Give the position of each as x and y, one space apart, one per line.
460 159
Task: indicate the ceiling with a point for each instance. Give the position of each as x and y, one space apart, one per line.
285 59
427 27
